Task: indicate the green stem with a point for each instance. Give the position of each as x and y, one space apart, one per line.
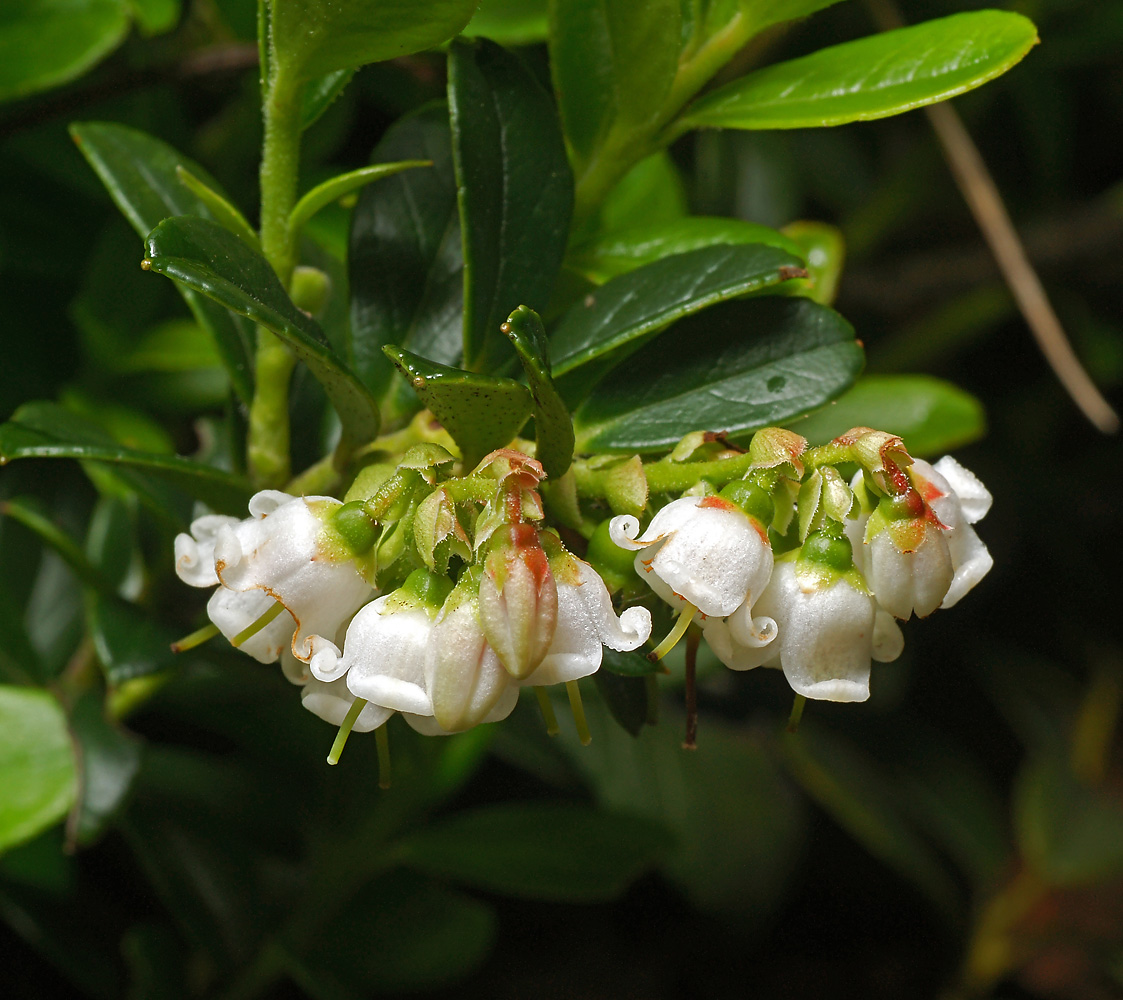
268 451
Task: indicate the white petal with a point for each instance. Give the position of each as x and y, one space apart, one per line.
623 530
265 502
974 497
904 582
463 675
972 562
194 553
384 655
733 654
233 612
331 702
888 640
326 662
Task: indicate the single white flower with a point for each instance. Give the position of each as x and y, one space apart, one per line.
331 701
233 612
962 501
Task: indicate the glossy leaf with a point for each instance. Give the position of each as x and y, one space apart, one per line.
129 643
652 192
337 187
510 22
613 64
45 430
46 42
741 18
823 251
873 77
481 412
315 37
37 769
933 416
738 367
405 264
28 513
222 211
632 308
515 192
625 697
553 427
209 259
550 851
140 174
621 251
319 95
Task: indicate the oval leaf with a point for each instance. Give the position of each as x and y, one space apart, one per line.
873 77
515 192
37 768
337 187
738 367
207 258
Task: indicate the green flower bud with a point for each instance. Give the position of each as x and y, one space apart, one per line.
751 499
355 527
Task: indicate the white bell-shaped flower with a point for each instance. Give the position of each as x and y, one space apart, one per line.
332 700
286 551
233 612
703 551
194 552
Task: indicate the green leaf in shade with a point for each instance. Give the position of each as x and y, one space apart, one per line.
552 424
652 192
625 697
129 643
481 412
1068 833
46 430
613 64
28 513
405 264
736 368
515 192
207 258
108 762
631 664
46 42
858 796
621 251
222 210
549 851
823 250
319 95
416 936
140 174
510 22
870 78
615 320
337 187
933 416
37 768
702 22
315 37
154 17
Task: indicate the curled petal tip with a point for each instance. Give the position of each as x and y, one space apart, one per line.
326 661
623 530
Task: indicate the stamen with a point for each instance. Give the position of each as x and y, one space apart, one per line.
382 742
686 616
578 710
548 716
351 718
251 630
797 713
196 638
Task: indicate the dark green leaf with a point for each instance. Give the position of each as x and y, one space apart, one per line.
703 21
27 511
625 697
736 368
128 642
45 430
873 77
37 769
47 42
550 851
621 251
334 189
221 210
933 416
405 263
315 37
552 424
651 193
108 762
510 22
481 412
319 95
633 664
140 174
616 319
209 259
515 192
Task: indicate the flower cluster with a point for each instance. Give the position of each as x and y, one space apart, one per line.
441 596
792 567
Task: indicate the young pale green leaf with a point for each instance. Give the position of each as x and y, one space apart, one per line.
208 259
616 319
140 173
337 187
870 78
319 95
510 22
37 768
548 851
621 251
613 64
222 211
652 192
48 42
933 416
552 424
481 412
46 430
822 247
314 37
405 264
738 367
728 24
515 192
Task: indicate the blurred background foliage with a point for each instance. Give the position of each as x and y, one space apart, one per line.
959 835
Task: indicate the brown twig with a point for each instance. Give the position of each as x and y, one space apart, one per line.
693 636
982 196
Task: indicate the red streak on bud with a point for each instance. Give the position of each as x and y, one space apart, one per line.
720 503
